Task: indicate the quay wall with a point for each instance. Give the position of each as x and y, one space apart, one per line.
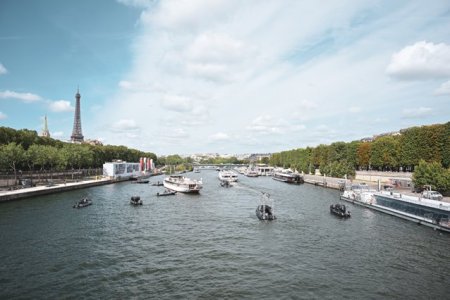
328 182
45 190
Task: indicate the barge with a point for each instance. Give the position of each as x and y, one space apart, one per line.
431 213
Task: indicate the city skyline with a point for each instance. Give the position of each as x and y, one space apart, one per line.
224 76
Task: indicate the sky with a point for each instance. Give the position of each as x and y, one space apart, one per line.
224 76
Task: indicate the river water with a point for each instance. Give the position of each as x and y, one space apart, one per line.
211 246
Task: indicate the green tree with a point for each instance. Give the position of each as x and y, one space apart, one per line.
363 155
385 153
432 174
12 155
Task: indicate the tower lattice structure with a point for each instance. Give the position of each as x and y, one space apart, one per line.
77 135
45 131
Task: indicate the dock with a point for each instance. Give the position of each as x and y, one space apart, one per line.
57 188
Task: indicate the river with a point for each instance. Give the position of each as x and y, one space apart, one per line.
212 246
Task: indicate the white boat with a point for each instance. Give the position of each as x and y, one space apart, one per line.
431 213
288 176
251 172
182 184
229 176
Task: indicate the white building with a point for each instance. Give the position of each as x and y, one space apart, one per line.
121 170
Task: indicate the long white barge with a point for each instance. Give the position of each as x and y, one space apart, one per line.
431 213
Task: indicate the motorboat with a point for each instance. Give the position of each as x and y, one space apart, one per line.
251 173
159 183
265 210
83 203
288 176
141 180
136 200
226 175
225 184
166 193
340 210
182 184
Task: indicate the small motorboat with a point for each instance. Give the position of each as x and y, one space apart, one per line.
264 211
140 180
136 200
225 183
83 203
157 184
340 210
166 193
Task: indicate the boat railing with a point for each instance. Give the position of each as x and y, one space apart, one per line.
417 200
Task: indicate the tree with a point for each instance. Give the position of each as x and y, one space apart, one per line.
432 174
385 153
363 155
12 155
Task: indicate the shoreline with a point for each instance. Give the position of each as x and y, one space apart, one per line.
30 192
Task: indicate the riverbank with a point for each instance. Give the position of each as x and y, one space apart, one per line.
56 188
337 183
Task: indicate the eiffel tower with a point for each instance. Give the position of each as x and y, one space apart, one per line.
45 131
77 135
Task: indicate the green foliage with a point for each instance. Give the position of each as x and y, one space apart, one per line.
338 169
385 153
45 153
12 156
404 151
432 174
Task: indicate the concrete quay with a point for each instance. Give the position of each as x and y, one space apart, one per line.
328 182
45 190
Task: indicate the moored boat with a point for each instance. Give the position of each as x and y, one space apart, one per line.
431 213
183 184
141 180
83 203
288 176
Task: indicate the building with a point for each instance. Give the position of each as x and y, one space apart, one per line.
45 132
77 135
121 170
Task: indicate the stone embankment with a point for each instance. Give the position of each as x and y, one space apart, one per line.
51 189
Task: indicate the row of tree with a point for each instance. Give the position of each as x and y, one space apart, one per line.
25 150
385 153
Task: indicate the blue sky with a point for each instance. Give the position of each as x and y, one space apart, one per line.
225 76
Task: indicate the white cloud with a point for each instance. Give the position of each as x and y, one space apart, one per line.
423 60
24 97
3 69
125 125
444 89
266 124
176 133
416 113
354 109
177 103
307 105
220 136
61 106
272 69
3 116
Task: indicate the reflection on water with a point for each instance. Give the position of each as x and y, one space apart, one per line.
212 246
